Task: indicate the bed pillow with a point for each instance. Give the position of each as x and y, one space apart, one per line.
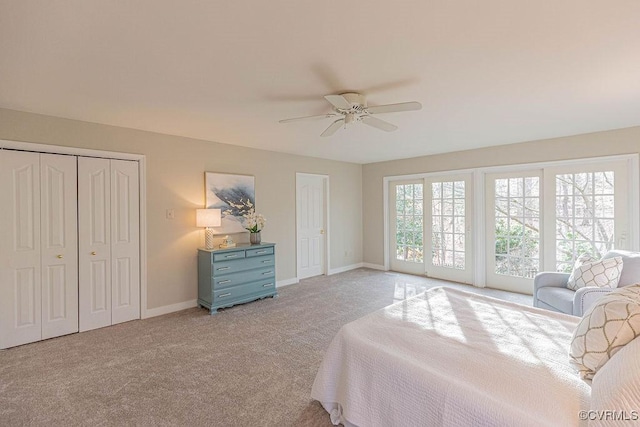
587 271
606 327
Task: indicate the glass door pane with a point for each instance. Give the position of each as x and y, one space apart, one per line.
513 230
448 222
407 226
590 213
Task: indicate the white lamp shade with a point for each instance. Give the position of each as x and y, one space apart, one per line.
208 218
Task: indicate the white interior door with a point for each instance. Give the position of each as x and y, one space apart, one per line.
406 218
20 277
310 224
59 228
94 242
448 223
125 241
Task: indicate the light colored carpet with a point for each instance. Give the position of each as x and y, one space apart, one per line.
250 365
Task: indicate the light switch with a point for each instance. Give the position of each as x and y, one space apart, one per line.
170 214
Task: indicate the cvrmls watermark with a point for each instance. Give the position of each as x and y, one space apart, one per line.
609 415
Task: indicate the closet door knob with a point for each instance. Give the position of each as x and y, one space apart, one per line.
59 256
93 253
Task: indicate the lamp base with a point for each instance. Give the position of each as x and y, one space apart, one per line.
208 238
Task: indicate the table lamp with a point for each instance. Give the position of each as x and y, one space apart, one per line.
208 218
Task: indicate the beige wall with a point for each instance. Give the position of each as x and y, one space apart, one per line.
622 141
175 180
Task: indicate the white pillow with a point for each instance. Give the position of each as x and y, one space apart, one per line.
604 273
606 327
582 259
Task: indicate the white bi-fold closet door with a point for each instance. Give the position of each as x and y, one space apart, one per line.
38 248
109 244
69 244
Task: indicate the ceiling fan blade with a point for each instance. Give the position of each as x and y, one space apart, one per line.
338 101
333 128
380 124
392 108
299 119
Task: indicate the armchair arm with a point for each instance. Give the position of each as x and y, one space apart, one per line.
586 297
546 279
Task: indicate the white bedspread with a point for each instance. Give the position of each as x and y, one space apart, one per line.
452 358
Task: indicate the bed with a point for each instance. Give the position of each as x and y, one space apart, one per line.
453 358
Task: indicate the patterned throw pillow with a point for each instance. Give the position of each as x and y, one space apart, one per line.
582 259
606 327
604 273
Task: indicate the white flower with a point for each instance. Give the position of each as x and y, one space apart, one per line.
254 222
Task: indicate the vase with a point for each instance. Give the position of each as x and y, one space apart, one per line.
254 238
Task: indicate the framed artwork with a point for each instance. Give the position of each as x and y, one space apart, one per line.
234 195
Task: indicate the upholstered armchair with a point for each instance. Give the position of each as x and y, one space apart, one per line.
550 288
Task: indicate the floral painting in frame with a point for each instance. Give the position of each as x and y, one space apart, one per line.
233 194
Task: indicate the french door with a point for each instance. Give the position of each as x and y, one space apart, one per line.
448 221
590 214
514 206
431 227
543 220
407 226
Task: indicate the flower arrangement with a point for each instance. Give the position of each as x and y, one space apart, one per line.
254 222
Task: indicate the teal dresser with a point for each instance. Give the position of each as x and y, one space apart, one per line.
236 275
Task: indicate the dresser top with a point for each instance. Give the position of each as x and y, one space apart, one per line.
239 246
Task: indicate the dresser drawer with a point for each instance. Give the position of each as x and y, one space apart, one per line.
228 255
261 287
259 252
235 279
233 266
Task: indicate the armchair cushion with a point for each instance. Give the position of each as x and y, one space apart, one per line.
561 299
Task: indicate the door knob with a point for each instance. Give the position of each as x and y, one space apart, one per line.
59 256
93 253
321 231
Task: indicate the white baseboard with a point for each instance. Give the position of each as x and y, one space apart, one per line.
286 282
166 309
373 266
345 268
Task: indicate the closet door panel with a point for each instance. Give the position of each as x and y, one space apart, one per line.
125 244
20 277
59 225
94 241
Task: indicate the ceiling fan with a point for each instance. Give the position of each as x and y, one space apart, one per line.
352 107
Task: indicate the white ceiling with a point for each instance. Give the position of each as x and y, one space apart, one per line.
487 72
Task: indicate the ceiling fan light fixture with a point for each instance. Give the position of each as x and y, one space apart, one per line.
349 118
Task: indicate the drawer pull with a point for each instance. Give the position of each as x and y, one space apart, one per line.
223 268
266 285
223 282
228 294
261 252
267 272
231 256
266 261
